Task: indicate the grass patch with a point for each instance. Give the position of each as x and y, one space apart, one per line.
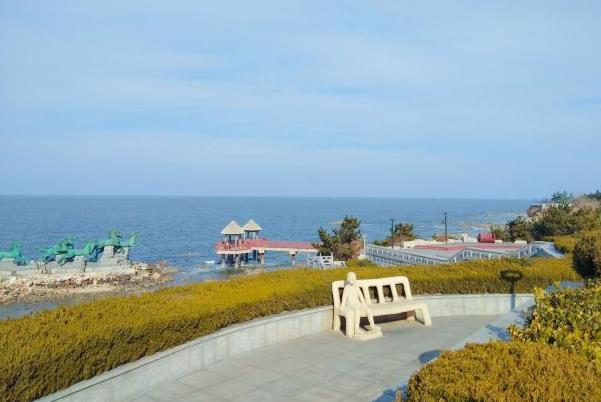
565 244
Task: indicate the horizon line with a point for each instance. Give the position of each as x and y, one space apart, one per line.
269 196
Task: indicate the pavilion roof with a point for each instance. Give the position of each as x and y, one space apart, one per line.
232 229
251 226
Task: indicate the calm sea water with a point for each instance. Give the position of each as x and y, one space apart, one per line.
182 230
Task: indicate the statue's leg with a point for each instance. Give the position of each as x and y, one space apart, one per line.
357 322
349 318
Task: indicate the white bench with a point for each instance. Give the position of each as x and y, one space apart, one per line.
384 296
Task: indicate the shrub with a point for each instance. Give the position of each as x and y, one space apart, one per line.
569 319
51 350
357 263
512 371
587 254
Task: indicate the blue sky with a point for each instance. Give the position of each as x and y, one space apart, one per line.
314 98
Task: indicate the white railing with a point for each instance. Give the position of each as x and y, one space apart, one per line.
324 261
388 256
385 255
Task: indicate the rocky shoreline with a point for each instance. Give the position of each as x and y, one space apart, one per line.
56 287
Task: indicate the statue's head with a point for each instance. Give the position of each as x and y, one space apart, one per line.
351 278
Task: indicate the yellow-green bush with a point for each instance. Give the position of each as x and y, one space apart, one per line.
51 350
569 319
565 244
509 372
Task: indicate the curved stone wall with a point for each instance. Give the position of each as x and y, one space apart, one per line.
133 378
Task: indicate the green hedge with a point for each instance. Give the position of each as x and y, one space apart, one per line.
587 254
569 319
512 371
51 350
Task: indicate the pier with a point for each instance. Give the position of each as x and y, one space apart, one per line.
242 243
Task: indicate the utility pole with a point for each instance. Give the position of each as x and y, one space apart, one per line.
392 231
446 228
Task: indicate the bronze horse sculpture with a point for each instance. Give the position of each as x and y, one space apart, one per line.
62 247
14 252
64 251
90 251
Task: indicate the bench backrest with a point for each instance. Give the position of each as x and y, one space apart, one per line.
382 290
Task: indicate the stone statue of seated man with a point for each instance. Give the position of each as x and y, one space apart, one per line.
353 306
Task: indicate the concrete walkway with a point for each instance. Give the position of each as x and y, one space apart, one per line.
323 367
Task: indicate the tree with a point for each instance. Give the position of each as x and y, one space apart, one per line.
402 232
596 195
562 197
499 232
349 230
326 243
518 229
587 254
406 230
344 242
564 220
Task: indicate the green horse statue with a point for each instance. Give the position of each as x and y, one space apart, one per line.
90 251
113 240
131 241
14 252
62 247
64 251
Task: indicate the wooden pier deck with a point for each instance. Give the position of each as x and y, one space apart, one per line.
250 245
240 250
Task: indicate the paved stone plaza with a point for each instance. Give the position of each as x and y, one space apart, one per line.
323 367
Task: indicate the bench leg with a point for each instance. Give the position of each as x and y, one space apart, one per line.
336 322
425 316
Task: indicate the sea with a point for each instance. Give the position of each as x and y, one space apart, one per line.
183 230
